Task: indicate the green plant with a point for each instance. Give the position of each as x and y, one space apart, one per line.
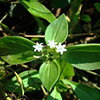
58 66
56 72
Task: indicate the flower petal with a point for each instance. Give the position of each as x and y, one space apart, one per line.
38 47
52 44
61 48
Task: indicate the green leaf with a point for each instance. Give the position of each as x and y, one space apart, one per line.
86 18
55 95
49 74
37 9
6 28
83 56
84 92
16 50
97 6
57 30
66 69
75 17
30 80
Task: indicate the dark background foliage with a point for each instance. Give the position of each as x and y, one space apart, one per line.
17 21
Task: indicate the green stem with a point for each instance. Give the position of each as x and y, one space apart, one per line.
44 91
4 17
19 80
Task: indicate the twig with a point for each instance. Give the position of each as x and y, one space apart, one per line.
4 17
37 36
81 34
93 73
70 35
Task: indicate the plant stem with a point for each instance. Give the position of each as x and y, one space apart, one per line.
44 91
4 17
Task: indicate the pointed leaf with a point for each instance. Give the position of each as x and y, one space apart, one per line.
97 6
83 56
57 30
6 28
84 92
49 74
86 18
37 9
16 50
55 95
66 69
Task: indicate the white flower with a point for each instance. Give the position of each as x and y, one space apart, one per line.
38 47
52 44
61 48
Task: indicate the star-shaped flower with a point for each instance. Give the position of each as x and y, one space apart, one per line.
52 44
38 47
61 48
